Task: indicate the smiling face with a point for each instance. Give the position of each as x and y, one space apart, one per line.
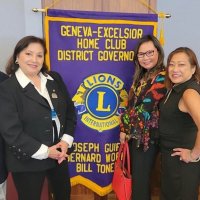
180 69
147 55
31 59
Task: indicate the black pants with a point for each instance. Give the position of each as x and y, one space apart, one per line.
142 166
29 184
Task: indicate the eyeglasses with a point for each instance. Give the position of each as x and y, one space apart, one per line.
147 53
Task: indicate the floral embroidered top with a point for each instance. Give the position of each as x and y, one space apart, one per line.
140 119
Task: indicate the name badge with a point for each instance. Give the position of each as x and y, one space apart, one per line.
53 114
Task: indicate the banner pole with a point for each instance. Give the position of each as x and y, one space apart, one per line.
38 10
164 15
160 15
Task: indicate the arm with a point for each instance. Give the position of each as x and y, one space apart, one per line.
144 115
12 128
70 117
70 114
190 103
70 124
151 97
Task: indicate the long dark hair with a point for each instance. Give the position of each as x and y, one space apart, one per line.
140 72
11 66
192 60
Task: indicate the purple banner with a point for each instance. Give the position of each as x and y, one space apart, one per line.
93 52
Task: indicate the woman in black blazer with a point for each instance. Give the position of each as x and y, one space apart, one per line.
38 121
3 170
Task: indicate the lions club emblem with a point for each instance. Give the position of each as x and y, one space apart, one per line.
99 100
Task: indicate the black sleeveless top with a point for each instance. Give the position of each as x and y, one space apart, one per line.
177 129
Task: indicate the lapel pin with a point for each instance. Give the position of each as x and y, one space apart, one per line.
54 95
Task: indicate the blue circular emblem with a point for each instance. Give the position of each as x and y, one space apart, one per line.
102 101
99 100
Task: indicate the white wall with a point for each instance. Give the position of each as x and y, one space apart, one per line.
183 28
33 21
17 20
12 21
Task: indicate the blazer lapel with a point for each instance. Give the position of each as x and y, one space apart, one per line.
53 93
31 92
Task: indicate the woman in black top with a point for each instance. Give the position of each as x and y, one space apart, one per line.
179 127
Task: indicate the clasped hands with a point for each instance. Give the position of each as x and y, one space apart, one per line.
58 151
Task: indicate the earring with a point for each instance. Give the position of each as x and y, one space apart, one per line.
16 61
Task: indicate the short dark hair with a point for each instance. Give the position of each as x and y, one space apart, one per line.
11 66
192 59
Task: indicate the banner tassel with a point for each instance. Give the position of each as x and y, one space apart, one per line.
162 37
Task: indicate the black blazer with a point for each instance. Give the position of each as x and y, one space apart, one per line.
26 121
3 171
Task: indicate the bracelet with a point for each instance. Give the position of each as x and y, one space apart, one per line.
192 159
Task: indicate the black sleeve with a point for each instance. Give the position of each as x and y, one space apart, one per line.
11 127
70 117
3 77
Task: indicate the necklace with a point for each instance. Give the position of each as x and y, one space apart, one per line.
170 91
168 94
